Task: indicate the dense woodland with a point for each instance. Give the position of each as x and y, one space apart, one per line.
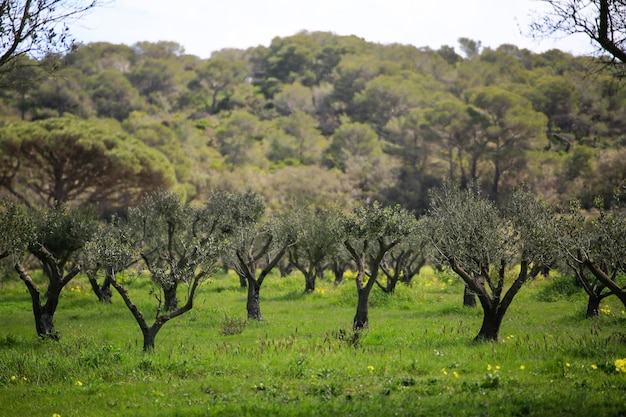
316 116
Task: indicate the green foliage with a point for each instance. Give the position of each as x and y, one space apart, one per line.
559 287
396 120
67 159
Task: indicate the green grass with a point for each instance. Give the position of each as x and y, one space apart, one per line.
417 359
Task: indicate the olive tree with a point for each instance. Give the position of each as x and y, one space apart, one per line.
170 237
491 248
177 245
256 245
406 259
54 237
317 237
594 249
369 233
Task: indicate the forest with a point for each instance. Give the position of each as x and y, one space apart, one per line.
315 117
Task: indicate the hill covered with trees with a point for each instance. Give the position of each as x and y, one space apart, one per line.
316 116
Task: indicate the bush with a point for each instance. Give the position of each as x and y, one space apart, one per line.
232 325
559 287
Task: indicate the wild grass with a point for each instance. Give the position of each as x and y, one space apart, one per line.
417 358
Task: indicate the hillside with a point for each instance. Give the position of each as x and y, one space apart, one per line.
334 118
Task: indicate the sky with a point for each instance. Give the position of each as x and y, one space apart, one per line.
204 26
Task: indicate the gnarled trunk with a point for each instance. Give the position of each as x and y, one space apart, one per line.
149 336
103 292
362 309
44 314
593 306
253 304
490 327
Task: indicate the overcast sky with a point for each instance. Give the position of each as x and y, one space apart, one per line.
204 26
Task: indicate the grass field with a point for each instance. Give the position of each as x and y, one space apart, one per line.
417 358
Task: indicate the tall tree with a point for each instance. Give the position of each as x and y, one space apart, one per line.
509 125
216 79
67 159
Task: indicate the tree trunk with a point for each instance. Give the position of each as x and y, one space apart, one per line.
171 302
490 328
45 326
593 306
469 297
149 336
338 271
44 314
254 304
106 290
362 308
243 282
309 282
102 292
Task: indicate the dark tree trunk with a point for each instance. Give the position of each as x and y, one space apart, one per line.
106 290
362 308
593 306
44 324
171 302
469 297
254 303
243 282
44 314
495 187
309 282
490 327
149 336
391 286
338 271
103 292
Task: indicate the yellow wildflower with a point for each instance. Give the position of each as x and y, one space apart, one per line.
79 384
620 365
456 374
522 367
594 367
13 377
443 371
370 368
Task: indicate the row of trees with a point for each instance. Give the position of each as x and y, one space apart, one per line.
493 248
